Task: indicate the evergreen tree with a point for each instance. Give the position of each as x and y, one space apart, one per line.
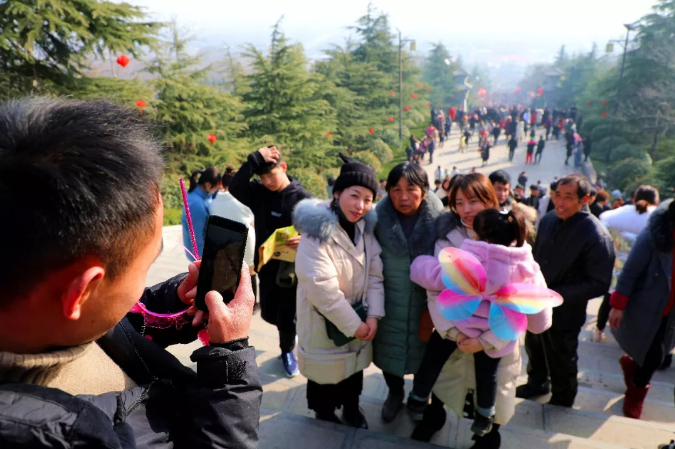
189 110
284 105
647 98
46 43
440 75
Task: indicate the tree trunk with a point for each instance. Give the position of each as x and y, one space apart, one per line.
655 142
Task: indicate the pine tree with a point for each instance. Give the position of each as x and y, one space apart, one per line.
189 110
647 98
284 105
46 43
439 72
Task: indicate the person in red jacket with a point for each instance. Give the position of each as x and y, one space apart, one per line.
452 112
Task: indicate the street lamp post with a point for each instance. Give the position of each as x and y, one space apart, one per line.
401 41
629 27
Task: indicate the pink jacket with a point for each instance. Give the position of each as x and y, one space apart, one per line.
503 266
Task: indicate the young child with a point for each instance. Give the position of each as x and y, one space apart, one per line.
507 259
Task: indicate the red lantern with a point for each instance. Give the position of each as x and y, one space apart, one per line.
482 92
212 138
604 102
414 95
391 92
407 108
428 105
540 91
391 119
588 103
123 60
518 89
604 115
419 86
371 131
140 103
329 134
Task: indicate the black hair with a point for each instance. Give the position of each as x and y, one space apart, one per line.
645 196
201 177
500 228
594 191
582 182
228 176
534 187
94 169
500 176
413 173
554 186
330 181
267 167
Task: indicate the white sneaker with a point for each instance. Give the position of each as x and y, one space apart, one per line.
598 335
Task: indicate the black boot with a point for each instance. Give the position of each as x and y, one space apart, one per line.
492 440
529 391
353 416
327 415
433 421
667 361
392 406
482 425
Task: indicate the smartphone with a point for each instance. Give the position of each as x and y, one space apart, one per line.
222 258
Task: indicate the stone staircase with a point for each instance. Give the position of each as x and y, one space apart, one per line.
596 420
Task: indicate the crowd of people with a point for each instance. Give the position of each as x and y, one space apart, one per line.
367 286
516 123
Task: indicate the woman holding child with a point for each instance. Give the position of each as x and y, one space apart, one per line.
471 195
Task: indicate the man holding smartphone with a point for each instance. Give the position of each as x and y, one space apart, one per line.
76 368
272 198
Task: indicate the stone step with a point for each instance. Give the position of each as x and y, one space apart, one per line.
603 358
284 430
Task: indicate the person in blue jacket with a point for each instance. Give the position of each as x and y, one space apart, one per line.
203 184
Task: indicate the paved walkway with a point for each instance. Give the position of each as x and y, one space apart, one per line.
552 161
594 422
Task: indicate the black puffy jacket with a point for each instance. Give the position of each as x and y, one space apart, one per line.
576 257
173 407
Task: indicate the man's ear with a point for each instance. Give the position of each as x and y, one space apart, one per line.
79 290
283 166
584 200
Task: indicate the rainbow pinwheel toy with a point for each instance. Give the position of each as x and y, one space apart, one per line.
464 278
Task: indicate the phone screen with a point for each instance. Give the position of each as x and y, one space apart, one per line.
222 258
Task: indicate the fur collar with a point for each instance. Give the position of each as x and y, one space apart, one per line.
422 239
660 227
445 223
314 218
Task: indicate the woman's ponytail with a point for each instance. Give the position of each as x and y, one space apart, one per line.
516 221
194 178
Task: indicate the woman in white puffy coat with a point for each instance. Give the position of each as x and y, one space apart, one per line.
338 266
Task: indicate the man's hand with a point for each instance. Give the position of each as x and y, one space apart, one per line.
228 322
293 242
372 324
615 316
470 345
270 154
187 292
362 332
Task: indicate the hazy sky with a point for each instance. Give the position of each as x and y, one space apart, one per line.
484 30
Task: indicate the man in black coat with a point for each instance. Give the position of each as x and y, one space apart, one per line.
576 256
74 371
272 199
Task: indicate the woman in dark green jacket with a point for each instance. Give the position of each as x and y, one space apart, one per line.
405 230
